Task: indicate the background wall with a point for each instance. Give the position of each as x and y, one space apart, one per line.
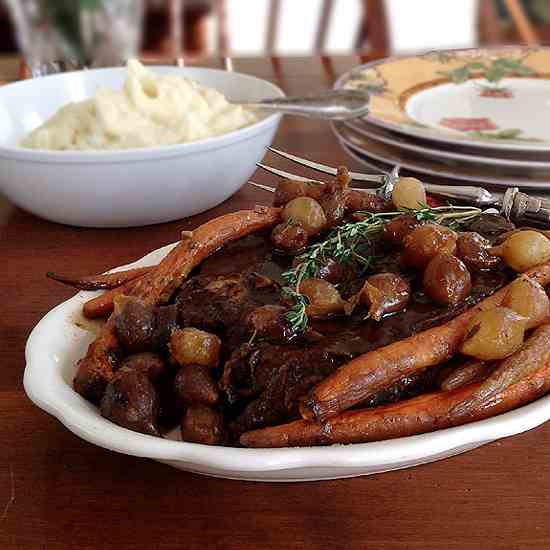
413 24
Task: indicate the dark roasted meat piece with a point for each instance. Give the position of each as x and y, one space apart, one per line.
473 250
278 376
252 367
490 225
194 384
268 380
270 322
398 228
289 237
221 304
201 424
132 402
142 327
150 364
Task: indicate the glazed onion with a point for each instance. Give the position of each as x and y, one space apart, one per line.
528 298
408 193
446 280
524 250
191 346
306 212
385 293
426 242
324 298
494 334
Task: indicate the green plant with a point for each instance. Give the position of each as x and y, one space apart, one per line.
65 17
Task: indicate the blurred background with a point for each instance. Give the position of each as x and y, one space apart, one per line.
250 28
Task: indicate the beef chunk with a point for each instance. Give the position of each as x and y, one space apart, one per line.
251 368
194 384
220 304
278 376
489 225
268 379
150 364
202 424
141 327
131 401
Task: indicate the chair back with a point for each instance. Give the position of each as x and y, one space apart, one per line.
371 29
491 28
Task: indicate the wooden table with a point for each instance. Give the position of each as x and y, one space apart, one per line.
57 491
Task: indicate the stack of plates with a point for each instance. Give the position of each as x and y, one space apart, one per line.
469 115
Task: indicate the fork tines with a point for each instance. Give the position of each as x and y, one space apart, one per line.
323 168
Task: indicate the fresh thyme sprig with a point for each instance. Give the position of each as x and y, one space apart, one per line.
297 316
449 215
345 244
342 244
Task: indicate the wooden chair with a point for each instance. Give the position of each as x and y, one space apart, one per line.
372 28
174 28
7 36
372 31
491 29
178 28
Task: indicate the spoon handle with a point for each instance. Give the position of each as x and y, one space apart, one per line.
331 105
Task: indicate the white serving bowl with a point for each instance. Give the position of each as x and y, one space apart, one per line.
129 187
57 342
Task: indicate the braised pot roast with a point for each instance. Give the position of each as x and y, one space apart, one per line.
226 353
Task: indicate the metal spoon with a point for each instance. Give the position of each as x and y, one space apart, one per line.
330 105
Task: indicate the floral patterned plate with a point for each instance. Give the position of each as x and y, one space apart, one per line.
366 150
496 98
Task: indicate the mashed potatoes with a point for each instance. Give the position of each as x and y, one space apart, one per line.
151 110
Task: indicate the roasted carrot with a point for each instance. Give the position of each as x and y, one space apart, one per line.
194 243
378 369
103 305
468 373
95 369
428 412
205 240
512 369
105 281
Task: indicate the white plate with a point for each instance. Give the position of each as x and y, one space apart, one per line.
365 147
432 150
502 92
131 187
56 343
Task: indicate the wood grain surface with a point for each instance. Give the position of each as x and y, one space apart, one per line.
59 492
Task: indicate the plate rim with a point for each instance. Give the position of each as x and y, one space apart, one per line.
443 172
426 150
44 385
432 133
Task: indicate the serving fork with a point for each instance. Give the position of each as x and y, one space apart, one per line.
513 203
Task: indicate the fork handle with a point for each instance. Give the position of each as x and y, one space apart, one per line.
473 195
521 207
